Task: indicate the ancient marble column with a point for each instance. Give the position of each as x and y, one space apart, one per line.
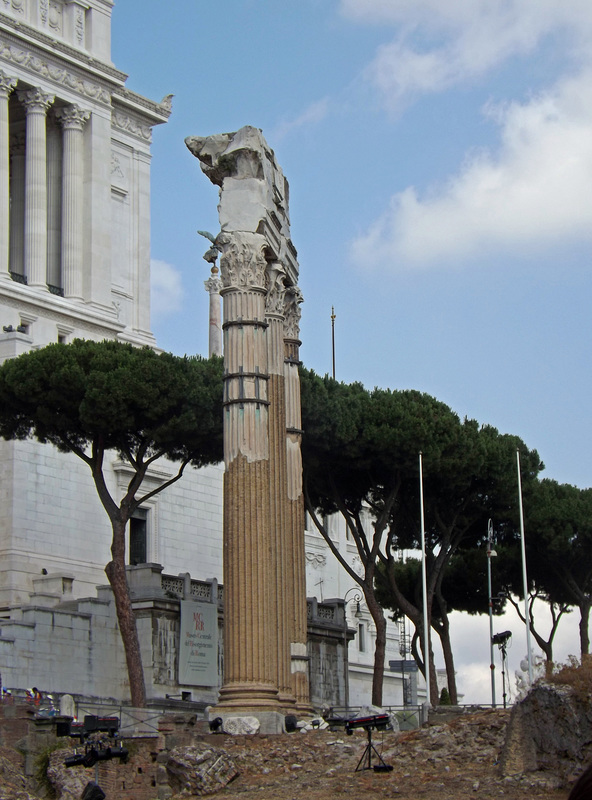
36 104
296 573
213 285
250 657
17 203
258 262
7 84
284 589
73 120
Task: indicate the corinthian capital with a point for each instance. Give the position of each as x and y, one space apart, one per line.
292 312
213 283
242 264
34 100
72 117
7 84
276 289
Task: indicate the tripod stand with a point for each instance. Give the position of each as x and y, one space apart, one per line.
365 761
504 651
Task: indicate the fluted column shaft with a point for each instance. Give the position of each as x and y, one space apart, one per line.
249 624
36 103
295 500
7 84
213 286
73 120
278 490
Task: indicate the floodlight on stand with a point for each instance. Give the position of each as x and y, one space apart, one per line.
501 638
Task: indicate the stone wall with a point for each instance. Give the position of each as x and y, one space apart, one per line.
66 646
327 637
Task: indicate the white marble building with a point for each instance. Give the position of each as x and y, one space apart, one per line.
75 262
74 252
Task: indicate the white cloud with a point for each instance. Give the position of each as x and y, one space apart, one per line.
166 289
312 115
534 191
439 44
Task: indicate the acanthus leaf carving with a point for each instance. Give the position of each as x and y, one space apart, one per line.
276 289
242 264
73 117
292 312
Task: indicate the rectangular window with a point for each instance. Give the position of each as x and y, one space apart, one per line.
138 537
361 638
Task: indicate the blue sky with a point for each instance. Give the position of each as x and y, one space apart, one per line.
440 165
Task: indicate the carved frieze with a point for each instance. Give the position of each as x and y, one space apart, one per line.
316 560
130 125
16 6
25 58
243 263
79 30
55 18
116 170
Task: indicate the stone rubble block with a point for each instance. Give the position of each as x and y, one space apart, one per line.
199 770
241 726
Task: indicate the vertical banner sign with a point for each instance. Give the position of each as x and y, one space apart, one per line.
198 656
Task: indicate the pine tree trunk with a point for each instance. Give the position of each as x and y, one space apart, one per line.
584 623
449 662
379 650
115 571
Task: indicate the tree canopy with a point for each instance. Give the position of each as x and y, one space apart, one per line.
89 398
559 547
359 448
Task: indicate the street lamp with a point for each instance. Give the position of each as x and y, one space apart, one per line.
490 554
356 598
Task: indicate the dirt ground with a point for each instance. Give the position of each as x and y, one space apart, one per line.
440 762
448 763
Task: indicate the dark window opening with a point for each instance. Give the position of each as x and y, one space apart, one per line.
138 537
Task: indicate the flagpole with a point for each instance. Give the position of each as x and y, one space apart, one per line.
524 578
490 553
424 580
333 337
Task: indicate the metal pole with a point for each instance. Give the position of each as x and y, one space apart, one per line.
424 580
333 337
489 556
355 599
345 660
524 578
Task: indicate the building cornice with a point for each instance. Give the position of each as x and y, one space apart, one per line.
22 32
26 47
